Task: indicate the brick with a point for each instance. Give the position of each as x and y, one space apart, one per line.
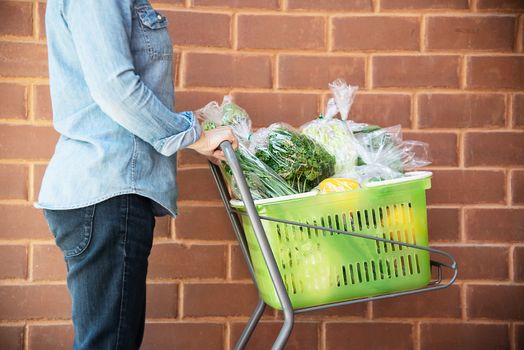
442 146
16 223
461 110
239 270
303 337
12 99
42 102
180 261
215 299
23 60
14 180
162 226
494 266
13 261
517 187
423 4
281 32
494 225
27 141
196 184
56 337
262 4
267 108
411 306
376 33
352 310
330 5
316 72
416 71
519 336
191 157
369 335
495 72
443 224
494 148
12 337
48 263
382 109
435 336
470 33
16 18
184 335
193 100
162 300
216 226
224 70
38 175
496 302
199 29
518 259
35 302
518 110
499 4
467 186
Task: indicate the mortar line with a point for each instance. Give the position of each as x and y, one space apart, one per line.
416 335
509 100
36 21
422 35
511 264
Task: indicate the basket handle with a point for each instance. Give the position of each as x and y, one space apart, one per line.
260 235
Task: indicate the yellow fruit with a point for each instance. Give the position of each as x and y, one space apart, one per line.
337 185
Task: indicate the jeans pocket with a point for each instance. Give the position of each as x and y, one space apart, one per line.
71 228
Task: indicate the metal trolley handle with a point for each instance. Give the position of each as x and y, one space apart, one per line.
271 263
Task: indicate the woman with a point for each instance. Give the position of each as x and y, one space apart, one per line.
114 166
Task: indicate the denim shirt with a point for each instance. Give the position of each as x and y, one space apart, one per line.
110 70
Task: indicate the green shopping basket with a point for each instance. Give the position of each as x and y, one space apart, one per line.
320 267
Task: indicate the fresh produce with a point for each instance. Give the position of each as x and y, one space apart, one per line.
337 139
298 159
263 182
337 185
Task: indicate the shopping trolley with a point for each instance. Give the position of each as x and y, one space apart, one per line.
306 253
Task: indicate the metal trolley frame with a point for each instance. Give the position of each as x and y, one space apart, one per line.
270 261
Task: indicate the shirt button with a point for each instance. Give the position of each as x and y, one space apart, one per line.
159 17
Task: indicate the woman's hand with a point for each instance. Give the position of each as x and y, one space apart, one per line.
209 142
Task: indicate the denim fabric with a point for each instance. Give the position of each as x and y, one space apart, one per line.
110 71
106 247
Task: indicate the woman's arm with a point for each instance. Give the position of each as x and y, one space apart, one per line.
101 30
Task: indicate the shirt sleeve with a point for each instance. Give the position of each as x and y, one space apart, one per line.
101 32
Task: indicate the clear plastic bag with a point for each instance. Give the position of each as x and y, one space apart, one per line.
332 133
383 155
337 139
299 160
261 179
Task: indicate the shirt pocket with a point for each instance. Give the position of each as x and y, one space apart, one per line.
152 35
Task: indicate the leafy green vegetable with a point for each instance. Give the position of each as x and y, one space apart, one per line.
298 159
263 182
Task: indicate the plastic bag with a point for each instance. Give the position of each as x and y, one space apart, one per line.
337 139
228 114
332 133
343 95
383 155
263 182
333 184
299 160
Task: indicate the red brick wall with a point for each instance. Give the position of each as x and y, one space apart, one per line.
450 71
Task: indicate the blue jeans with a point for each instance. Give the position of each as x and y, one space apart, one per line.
106 247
